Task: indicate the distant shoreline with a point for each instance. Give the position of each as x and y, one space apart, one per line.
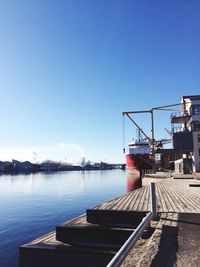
17 167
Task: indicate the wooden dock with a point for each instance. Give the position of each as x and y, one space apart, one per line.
79 232
49 252
94 238
172 195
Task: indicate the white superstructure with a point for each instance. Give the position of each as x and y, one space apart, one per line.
139 147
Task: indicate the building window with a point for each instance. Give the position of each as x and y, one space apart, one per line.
199 151
198 138
196 126
195 109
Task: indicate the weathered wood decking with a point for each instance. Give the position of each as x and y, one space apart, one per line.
80 242
171 196
46 251
79 232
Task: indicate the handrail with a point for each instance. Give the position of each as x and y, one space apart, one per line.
180 114
125 249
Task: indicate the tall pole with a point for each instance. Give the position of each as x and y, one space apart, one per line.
153 141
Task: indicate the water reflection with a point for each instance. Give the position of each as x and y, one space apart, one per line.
32 205
134 180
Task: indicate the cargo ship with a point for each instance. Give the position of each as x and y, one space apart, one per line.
183 155
138 156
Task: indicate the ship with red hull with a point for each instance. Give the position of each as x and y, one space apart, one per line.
138 157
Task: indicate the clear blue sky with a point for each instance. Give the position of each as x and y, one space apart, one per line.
69 68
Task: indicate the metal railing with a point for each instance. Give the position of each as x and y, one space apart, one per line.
181 130
180 114
118 259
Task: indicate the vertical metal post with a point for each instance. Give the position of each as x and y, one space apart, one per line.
153 199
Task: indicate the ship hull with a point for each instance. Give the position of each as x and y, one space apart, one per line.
138 162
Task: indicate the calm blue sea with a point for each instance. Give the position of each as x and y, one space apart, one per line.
32 205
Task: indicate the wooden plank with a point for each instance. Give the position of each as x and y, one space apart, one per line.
160 204
176 196
135 196
51 253
115 218
164 199
95 237
122 203
189 199
128 202
173 204
146 203
185 198
172 196
85 234
177 202
142 198
138 201
192 194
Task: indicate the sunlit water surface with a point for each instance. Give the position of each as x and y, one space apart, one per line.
32 205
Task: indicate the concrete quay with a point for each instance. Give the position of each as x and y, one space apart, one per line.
175 242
